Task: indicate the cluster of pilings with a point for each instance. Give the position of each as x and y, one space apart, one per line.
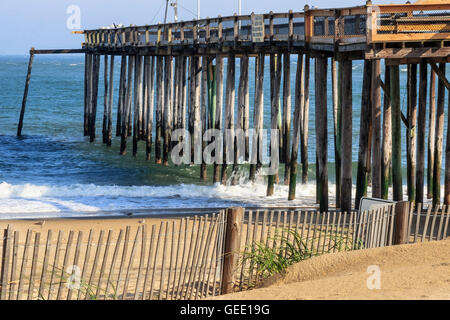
187 92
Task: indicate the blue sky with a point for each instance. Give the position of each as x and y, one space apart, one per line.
42 23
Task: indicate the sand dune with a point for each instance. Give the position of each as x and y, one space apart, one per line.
419 271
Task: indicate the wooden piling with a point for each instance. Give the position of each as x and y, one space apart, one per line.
421 118
176 83
110 104
387 136
244 102
105 99
431 134
439 136
137 122
336 79
182 95
150 89
346 134
376 129
258 117
275 82
229 139
287 116
396 134
25 93
219 107
204 113
196 139
122 95
322 132
447 161
87 91
94 95
411 131
159 107
305 123
127 106
299 101
167 118
362 177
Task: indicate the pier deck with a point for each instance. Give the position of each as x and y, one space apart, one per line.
371 32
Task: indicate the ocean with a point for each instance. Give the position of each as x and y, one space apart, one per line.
53 171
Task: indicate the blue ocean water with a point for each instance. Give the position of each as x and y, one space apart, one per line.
52 168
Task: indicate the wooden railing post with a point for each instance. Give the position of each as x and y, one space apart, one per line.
401 223
233 231
309 24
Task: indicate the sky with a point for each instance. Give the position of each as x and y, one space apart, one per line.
43 23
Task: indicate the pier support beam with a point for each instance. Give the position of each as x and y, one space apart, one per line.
362 178
121 98
159 107
127 105
87 91
229 116
396 134
258 117
321 132
149 102
167 117
421 133
94 96
299 101
431 134
219 107
336 79
25 93
275 82
376 129
286 116
386 165
305 124
439 136
447 160
204 112
411 132
346 134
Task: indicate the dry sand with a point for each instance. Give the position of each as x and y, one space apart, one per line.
66 225
419 271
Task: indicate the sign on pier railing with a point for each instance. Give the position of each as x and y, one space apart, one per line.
258 28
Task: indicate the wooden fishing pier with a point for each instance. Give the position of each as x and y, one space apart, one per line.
172 77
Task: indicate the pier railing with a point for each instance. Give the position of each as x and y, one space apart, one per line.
404 23
364 25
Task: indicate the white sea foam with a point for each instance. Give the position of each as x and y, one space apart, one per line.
66 199
28 198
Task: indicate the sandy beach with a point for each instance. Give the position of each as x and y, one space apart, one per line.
418 271
85 225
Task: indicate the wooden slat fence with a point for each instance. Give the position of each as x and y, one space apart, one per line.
183 259
311 233
180 259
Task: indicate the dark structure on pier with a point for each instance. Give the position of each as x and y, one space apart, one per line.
172 76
